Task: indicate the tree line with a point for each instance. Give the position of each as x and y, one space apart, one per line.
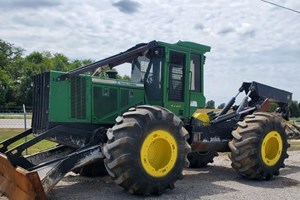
294 107
17 70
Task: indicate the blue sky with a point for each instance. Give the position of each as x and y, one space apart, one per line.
250 40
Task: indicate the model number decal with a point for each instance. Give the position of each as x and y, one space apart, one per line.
175 106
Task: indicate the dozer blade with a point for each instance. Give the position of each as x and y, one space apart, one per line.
35 182
18 183
32 177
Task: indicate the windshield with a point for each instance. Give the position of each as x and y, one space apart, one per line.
147 70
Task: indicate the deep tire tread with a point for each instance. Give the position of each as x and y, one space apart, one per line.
122 150
246 143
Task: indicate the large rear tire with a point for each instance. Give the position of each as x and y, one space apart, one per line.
259 146
201 159
147 150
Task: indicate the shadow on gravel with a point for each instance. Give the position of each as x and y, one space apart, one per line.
75 187
289 169
196 183
204 182
219 173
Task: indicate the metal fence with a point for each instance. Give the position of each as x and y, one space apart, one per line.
15 117
14 109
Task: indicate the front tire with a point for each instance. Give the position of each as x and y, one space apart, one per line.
146 150
259 146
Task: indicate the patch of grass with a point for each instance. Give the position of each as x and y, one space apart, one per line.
9 132
15 117
6 133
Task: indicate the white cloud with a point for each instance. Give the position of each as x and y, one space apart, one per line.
250 40
246 29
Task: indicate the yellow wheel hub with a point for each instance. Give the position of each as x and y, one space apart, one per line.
271 148
159 153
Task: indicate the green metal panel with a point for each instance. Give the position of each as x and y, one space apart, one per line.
130 97
105 103
125 97
81 100
114 97
187 47
70 100
197 100
194 46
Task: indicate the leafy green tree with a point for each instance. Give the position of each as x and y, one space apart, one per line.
8 54
221 106
86 61
210 104
273 106
60 62
126 78
16 71
294 109
79 63
5 82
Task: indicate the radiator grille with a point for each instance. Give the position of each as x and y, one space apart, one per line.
78 97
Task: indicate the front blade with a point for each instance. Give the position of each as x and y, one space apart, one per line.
18 183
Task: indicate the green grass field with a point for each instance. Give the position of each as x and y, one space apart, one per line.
6 133
15 116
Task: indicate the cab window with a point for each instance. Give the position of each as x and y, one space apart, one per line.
195 73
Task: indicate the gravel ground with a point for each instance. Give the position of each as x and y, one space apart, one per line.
217 181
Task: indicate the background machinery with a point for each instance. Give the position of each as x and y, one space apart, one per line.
144 131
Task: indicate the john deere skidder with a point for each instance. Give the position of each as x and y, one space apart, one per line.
144 131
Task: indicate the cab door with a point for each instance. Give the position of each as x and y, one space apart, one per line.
176 75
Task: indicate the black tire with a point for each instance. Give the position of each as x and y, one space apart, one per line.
124 150
95 169
201 159
259 146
